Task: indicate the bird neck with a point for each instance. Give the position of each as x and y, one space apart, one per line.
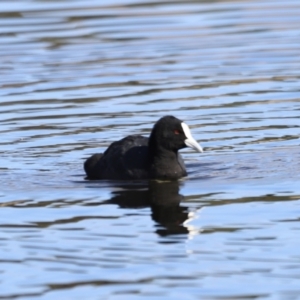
164 163
159 153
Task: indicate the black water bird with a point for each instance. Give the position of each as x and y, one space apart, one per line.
138 157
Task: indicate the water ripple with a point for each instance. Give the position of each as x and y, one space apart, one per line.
77 75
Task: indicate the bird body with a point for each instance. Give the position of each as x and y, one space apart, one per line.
138 157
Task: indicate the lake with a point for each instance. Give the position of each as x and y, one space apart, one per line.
76 76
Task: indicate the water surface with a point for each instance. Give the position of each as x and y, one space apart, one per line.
78 75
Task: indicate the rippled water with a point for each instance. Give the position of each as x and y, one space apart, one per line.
77 75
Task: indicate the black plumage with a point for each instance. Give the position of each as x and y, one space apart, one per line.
138 157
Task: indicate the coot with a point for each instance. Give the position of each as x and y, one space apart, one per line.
138 157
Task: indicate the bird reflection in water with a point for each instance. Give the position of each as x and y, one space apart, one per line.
164 200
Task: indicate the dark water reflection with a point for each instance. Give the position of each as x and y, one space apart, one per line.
164 200
77 75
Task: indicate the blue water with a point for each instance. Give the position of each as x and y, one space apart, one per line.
76 76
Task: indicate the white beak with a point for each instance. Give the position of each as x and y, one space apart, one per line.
190 141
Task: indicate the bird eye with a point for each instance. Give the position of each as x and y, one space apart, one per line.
176 131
